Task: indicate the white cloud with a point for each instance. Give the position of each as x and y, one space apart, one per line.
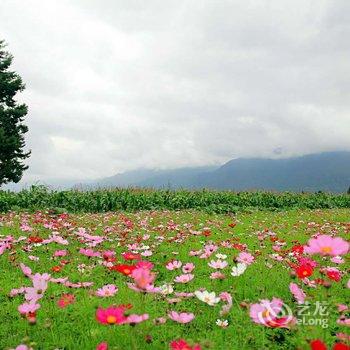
117 85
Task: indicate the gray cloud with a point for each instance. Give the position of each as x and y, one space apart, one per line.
117 85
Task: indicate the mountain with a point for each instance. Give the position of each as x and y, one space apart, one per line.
174 178
323 171
328 171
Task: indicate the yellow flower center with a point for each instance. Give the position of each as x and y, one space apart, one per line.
266 313
111 319
326 249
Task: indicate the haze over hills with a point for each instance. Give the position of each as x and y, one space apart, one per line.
329 171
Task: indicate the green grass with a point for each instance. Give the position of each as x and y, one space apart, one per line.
75 327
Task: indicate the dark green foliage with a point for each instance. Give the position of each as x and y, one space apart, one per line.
12 129
39 198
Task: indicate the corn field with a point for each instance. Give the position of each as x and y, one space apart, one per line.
132 199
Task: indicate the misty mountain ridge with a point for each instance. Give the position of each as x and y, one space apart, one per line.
328 171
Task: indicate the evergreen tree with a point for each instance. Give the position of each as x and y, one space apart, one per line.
12 129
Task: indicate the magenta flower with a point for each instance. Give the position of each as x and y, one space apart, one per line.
182 317
327 245
111 315
102 346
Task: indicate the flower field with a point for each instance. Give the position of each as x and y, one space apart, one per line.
177 280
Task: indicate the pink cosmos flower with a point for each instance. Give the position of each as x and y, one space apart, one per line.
184 278
59 253
26 270
173 265
143 277
144 264
266 313
134 319
327 245
16 291
40 281
182 317
111 315
337 260
195 252
225 296
342 307
159 320
25 227
297 292
102 346
108 290
217 275
302 260
245 258
89 252
27 308
181 344
218 264
23 347
188 268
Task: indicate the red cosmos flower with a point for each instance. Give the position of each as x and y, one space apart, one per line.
238 246
131 256
334 275
56 268
304 271
206 233
124 269
340 346
318 345
108 258
65 300
319 281
298 249
35 239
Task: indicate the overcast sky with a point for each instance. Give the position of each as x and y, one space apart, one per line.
114 85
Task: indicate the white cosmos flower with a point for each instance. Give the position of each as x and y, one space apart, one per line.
221 256
206 297
238 270
166 289
222 323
